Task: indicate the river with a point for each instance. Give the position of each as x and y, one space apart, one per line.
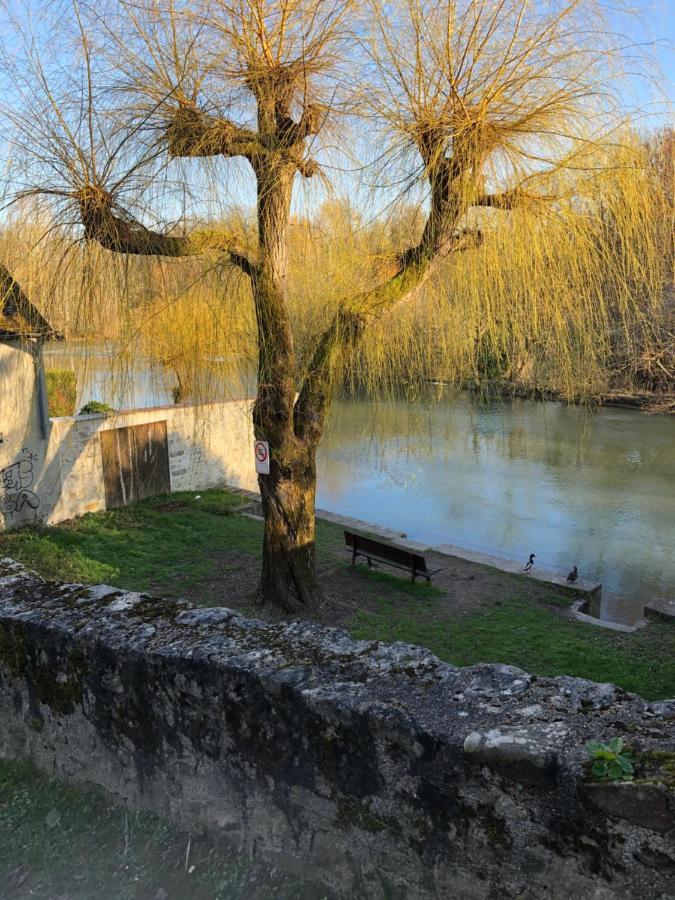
575 487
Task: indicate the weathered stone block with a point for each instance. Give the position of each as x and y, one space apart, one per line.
397 774
651 806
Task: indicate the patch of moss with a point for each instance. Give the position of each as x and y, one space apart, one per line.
60 686
494 826
657 766
359 814
61 392
12 649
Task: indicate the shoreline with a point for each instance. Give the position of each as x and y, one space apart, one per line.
651 403
452 551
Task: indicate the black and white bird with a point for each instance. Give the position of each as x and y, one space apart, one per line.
529 565
572 577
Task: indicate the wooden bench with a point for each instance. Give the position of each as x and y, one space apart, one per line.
399 557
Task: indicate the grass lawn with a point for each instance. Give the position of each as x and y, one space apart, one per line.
181 546
58 843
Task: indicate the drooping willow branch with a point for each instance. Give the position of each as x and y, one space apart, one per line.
440 237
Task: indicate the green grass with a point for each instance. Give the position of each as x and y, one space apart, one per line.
175 544
534 638
58 842
169 541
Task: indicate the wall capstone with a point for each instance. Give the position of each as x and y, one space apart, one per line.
390 772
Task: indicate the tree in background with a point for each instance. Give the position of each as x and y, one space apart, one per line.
489 116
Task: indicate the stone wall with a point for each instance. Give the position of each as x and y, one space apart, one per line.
208 445
391 773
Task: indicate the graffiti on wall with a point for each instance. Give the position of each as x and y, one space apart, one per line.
15 483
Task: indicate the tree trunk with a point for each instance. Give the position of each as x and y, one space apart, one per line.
288 580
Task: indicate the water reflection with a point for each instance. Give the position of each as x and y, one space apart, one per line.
596 490
125 379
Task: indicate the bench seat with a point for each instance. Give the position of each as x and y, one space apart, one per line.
399 557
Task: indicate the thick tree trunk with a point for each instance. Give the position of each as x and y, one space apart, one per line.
288 580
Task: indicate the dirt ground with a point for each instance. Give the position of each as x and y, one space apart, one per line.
461 587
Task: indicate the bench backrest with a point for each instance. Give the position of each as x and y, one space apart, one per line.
398 555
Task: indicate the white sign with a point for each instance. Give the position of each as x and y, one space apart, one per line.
262 457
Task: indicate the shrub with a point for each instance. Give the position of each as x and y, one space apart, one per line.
95 407
61 392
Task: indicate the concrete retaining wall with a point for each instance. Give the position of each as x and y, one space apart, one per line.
23 431
386 771
62 469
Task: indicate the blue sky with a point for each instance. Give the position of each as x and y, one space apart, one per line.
649 24
654 24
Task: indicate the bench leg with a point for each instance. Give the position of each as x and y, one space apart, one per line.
413 574
370 562
353 557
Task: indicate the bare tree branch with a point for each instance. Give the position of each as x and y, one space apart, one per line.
193 133
124 235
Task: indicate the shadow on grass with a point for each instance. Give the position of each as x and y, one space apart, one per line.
168 541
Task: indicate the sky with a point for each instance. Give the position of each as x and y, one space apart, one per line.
654 24
651 24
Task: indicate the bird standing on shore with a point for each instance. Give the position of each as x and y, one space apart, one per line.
529 565
572 577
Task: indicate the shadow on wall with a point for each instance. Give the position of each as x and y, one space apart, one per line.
23 432
106 461
56 469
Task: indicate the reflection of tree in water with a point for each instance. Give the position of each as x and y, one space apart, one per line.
610 444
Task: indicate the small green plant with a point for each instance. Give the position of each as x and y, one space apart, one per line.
611 762
95 407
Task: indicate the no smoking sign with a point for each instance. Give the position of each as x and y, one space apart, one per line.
262 457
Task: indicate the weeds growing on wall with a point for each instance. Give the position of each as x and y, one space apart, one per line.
61 392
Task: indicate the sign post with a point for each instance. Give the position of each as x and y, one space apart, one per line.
262 457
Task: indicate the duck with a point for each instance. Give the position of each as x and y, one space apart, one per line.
529 565
572 577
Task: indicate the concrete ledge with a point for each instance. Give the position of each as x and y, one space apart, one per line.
662 609
581 585
575 613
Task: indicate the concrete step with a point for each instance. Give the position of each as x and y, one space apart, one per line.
581 585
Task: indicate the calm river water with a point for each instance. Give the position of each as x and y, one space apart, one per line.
596 490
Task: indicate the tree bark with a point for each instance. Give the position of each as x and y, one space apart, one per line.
288 579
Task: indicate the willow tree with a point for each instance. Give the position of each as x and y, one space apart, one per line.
483 103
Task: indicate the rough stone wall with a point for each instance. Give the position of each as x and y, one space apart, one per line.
392 773
208 445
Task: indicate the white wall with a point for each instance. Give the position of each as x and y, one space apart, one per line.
62 477
22 432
